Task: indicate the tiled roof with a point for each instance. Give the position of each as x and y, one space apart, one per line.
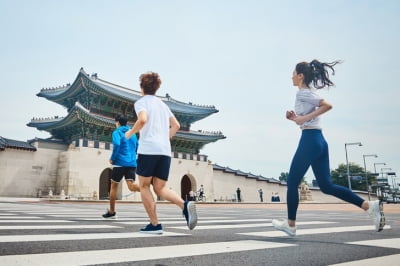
15 144
244 174
93 83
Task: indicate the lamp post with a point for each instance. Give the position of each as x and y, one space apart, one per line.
347 160
385 168
385 191
393 176
365 169
375 164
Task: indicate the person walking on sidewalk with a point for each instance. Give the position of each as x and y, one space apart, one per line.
238 194
123 159
260 193
312 149
157 125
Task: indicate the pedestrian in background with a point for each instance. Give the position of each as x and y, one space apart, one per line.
238 191
260 192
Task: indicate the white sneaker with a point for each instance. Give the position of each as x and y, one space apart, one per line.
375 210
283 225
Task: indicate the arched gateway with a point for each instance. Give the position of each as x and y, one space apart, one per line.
187 183
105 184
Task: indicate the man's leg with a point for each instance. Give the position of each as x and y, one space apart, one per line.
132 185
164 192
130 176
113 195
147 199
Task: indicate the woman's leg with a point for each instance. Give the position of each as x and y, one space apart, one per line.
322 173
300 163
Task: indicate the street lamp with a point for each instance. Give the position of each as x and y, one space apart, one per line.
375 164
365 168
347 160
393 175
385 168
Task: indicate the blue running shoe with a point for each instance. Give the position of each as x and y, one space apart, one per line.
151 229
189 211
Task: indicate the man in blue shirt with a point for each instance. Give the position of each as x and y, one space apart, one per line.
123 159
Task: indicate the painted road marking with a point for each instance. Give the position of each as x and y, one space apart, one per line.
136 254
63 237
24 227
385 260
384 243
231 226
315 231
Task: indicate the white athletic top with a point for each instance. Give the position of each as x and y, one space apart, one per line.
154 136
306 102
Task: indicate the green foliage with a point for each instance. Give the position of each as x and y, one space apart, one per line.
339 176
283 176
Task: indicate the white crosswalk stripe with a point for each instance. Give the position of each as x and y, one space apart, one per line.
248 225
315 231
385 260
74 236
136 254
7 218
182 221
22 227
386 243
35 221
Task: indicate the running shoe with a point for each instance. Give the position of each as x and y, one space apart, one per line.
189 211
151 229
375 210
109 215
283 225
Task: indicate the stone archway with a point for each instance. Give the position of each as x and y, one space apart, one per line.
105 183
187 183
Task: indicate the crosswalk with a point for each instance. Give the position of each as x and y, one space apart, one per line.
49 225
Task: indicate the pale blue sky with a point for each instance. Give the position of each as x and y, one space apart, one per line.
236 55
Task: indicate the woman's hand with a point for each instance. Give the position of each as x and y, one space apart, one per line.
290 115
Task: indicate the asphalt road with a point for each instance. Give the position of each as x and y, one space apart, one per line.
73 233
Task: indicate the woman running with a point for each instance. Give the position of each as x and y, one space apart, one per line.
312 149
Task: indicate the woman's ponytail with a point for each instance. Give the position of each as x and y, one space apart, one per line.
316 73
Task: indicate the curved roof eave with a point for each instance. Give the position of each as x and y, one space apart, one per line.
60 93
199 136
76 112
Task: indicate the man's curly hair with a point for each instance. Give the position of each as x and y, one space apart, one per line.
150 82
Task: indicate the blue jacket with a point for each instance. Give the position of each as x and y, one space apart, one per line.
124 150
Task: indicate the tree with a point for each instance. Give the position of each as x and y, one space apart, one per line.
283 176
357 174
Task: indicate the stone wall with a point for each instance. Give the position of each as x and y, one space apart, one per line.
27 173
79 170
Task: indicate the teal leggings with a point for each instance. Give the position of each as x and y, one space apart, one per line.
313 151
